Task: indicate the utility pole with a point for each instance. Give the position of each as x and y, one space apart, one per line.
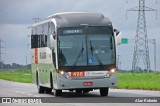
141 50
153 41
1 61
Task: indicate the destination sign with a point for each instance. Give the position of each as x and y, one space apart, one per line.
73 31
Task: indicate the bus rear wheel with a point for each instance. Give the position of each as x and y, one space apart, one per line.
40 89
58 92
104 91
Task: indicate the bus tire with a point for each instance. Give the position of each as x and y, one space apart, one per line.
58 92
78 91
104 91
85 91
48 90
40 89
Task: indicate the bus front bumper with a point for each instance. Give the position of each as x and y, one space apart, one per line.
67 84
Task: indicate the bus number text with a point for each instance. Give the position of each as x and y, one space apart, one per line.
78 74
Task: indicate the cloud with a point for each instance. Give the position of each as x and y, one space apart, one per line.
15 35
23 11
16 40
17 15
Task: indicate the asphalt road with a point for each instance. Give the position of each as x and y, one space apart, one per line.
15 89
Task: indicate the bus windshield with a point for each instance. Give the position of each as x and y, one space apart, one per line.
87 46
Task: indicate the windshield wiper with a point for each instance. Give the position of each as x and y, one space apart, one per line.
79 55
96 56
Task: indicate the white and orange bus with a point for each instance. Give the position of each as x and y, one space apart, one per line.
75 52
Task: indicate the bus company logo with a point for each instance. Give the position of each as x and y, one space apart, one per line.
6 100
87 73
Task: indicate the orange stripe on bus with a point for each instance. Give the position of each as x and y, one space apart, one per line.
36 55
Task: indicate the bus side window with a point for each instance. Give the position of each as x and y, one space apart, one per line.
34 41
45 41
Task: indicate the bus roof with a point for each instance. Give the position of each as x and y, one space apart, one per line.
78 19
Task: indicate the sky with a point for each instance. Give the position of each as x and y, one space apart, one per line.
16 17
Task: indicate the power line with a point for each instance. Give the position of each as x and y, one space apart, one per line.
141 50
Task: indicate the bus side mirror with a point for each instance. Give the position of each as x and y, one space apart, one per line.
52 42
118 36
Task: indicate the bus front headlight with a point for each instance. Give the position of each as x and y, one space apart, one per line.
112 70
62 72
65 74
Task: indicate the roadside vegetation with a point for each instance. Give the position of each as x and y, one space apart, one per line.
147 81
21 75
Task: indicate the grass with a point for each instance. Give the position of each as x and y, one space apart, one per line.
147 81
21 75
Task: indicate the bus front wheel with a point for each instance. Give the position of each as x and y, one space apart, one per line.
78 91
104 91
49 90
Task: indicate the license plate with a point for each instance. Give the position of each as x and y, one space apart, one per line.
78 74
87 83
